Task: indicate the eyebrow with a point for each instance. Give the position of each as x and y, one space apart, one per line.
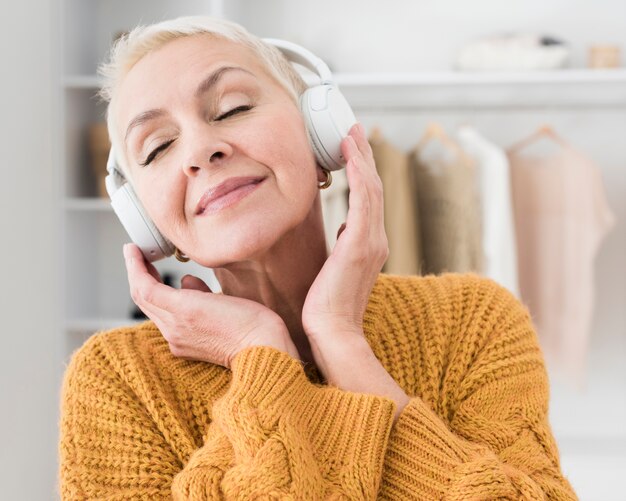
214 77
207 84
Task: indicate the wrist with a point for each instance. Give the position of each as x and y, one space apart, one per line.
351 365
279 340
290 347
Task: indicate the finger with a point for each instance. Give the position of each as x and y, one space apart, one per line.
369 175
341 228
144 287
153 271
367 167
366 164
195 283
357 131
349 149
374 216
358 218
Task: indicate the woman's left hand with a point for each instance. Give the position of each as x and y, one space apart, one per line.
332 315
335 304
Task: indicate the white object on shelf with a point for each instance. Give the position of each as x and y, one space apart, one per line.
514 51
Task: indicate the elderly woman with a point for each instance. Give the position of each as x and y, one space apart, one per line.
311 376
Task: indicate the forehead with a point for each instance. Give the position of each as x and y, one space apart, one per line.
175 68
194 51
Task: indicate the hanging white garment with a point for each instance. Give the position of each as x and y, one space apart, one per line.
498 224
335 206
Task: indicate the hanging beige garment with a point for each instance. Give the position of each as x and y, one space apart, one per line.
561 217
449 205
400 207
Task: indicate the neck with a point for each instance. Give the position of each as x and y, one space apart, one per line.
281 277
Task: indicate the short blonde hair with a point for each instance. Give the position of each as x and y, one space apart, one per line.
131 47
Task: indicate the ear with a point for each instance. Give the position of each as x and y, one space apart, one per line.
321 177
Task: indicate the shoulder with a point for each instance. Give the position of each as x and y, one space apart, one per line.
103 347
458 291
452 311
109 356
134 357
138 358
453 332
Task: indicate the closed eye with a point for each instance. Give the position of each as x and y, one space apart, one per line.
155 152
152 155
238 109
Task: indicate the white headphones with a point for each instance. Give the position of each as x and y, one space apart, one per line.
327 116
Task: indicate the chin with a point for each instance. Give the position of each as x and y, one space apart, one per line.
246 243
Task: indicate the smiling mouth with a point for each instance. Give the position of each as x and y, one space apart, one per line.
230 198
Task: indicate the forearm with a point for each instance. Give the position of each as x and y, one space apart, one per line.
269 437
365 373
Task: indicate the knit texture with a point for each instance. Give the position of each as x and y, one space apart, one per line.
140 423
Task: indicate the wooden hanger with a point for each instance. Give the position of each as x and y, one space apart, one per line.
435 131
544 131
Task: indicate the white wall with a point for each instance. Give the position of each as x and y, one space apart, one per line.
30 365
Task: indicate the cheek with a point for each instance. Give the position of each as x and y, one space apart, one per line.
162 202
282 145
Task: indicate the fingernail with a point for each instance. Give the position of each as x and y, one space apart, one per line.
361 128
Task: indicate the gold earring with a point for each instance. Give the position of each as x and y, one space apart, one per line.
329 179
182 258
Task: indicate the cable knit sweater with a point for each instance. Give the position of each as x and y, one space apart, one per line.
139 423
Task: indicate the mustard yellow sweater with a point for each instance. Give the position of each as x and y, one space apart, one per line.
139 423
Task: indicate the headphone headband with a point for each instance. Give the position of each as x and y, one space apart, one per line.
306 58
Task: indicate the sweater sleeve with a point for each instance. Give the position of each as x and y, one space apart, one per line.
497 442
275 435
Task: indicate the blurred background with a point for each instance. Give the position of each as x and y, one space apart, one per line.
504 119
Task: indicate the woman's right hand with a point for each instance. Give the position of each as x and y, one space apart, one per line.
200 325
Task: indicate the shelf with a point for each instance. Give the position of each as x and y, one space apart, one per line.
87 204
427 78
465 90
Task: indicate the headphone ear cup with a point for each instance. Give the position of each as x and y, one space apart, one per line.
139 226
321 157
328 118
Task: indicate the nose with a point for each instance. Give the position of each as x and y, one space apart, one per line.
207 150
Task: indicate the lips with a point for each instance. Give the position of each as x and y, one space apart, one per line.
216 192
